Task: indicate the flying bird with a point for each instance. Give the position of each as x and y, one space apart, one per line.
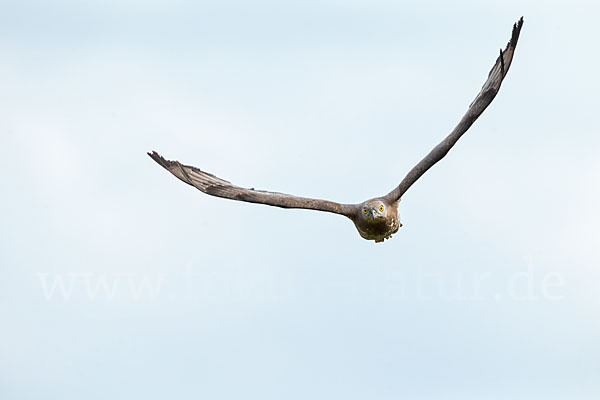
377 218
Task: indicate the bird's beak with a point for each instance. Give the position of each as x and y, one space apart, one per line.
372 214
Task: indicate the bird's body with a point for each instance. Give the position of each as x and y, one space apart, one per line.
375 219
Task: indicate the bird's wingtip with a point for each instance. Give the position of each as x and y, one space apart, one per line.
158 158
516 31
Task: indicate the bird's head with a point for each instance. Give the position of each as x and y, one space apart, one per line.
373 210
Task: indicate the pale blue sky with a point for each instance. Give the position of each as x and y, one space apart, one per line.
489 291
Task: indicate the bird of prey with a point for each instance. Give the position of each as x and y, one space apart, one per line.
375 219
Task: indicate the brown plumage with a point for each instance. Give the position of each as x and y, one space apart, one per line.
375 219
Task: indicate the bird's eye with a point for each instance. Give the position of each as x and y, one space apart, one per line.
364 210
381 208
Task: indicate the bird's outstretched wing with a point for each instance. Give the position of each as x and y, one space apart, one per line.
484 98
216 186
